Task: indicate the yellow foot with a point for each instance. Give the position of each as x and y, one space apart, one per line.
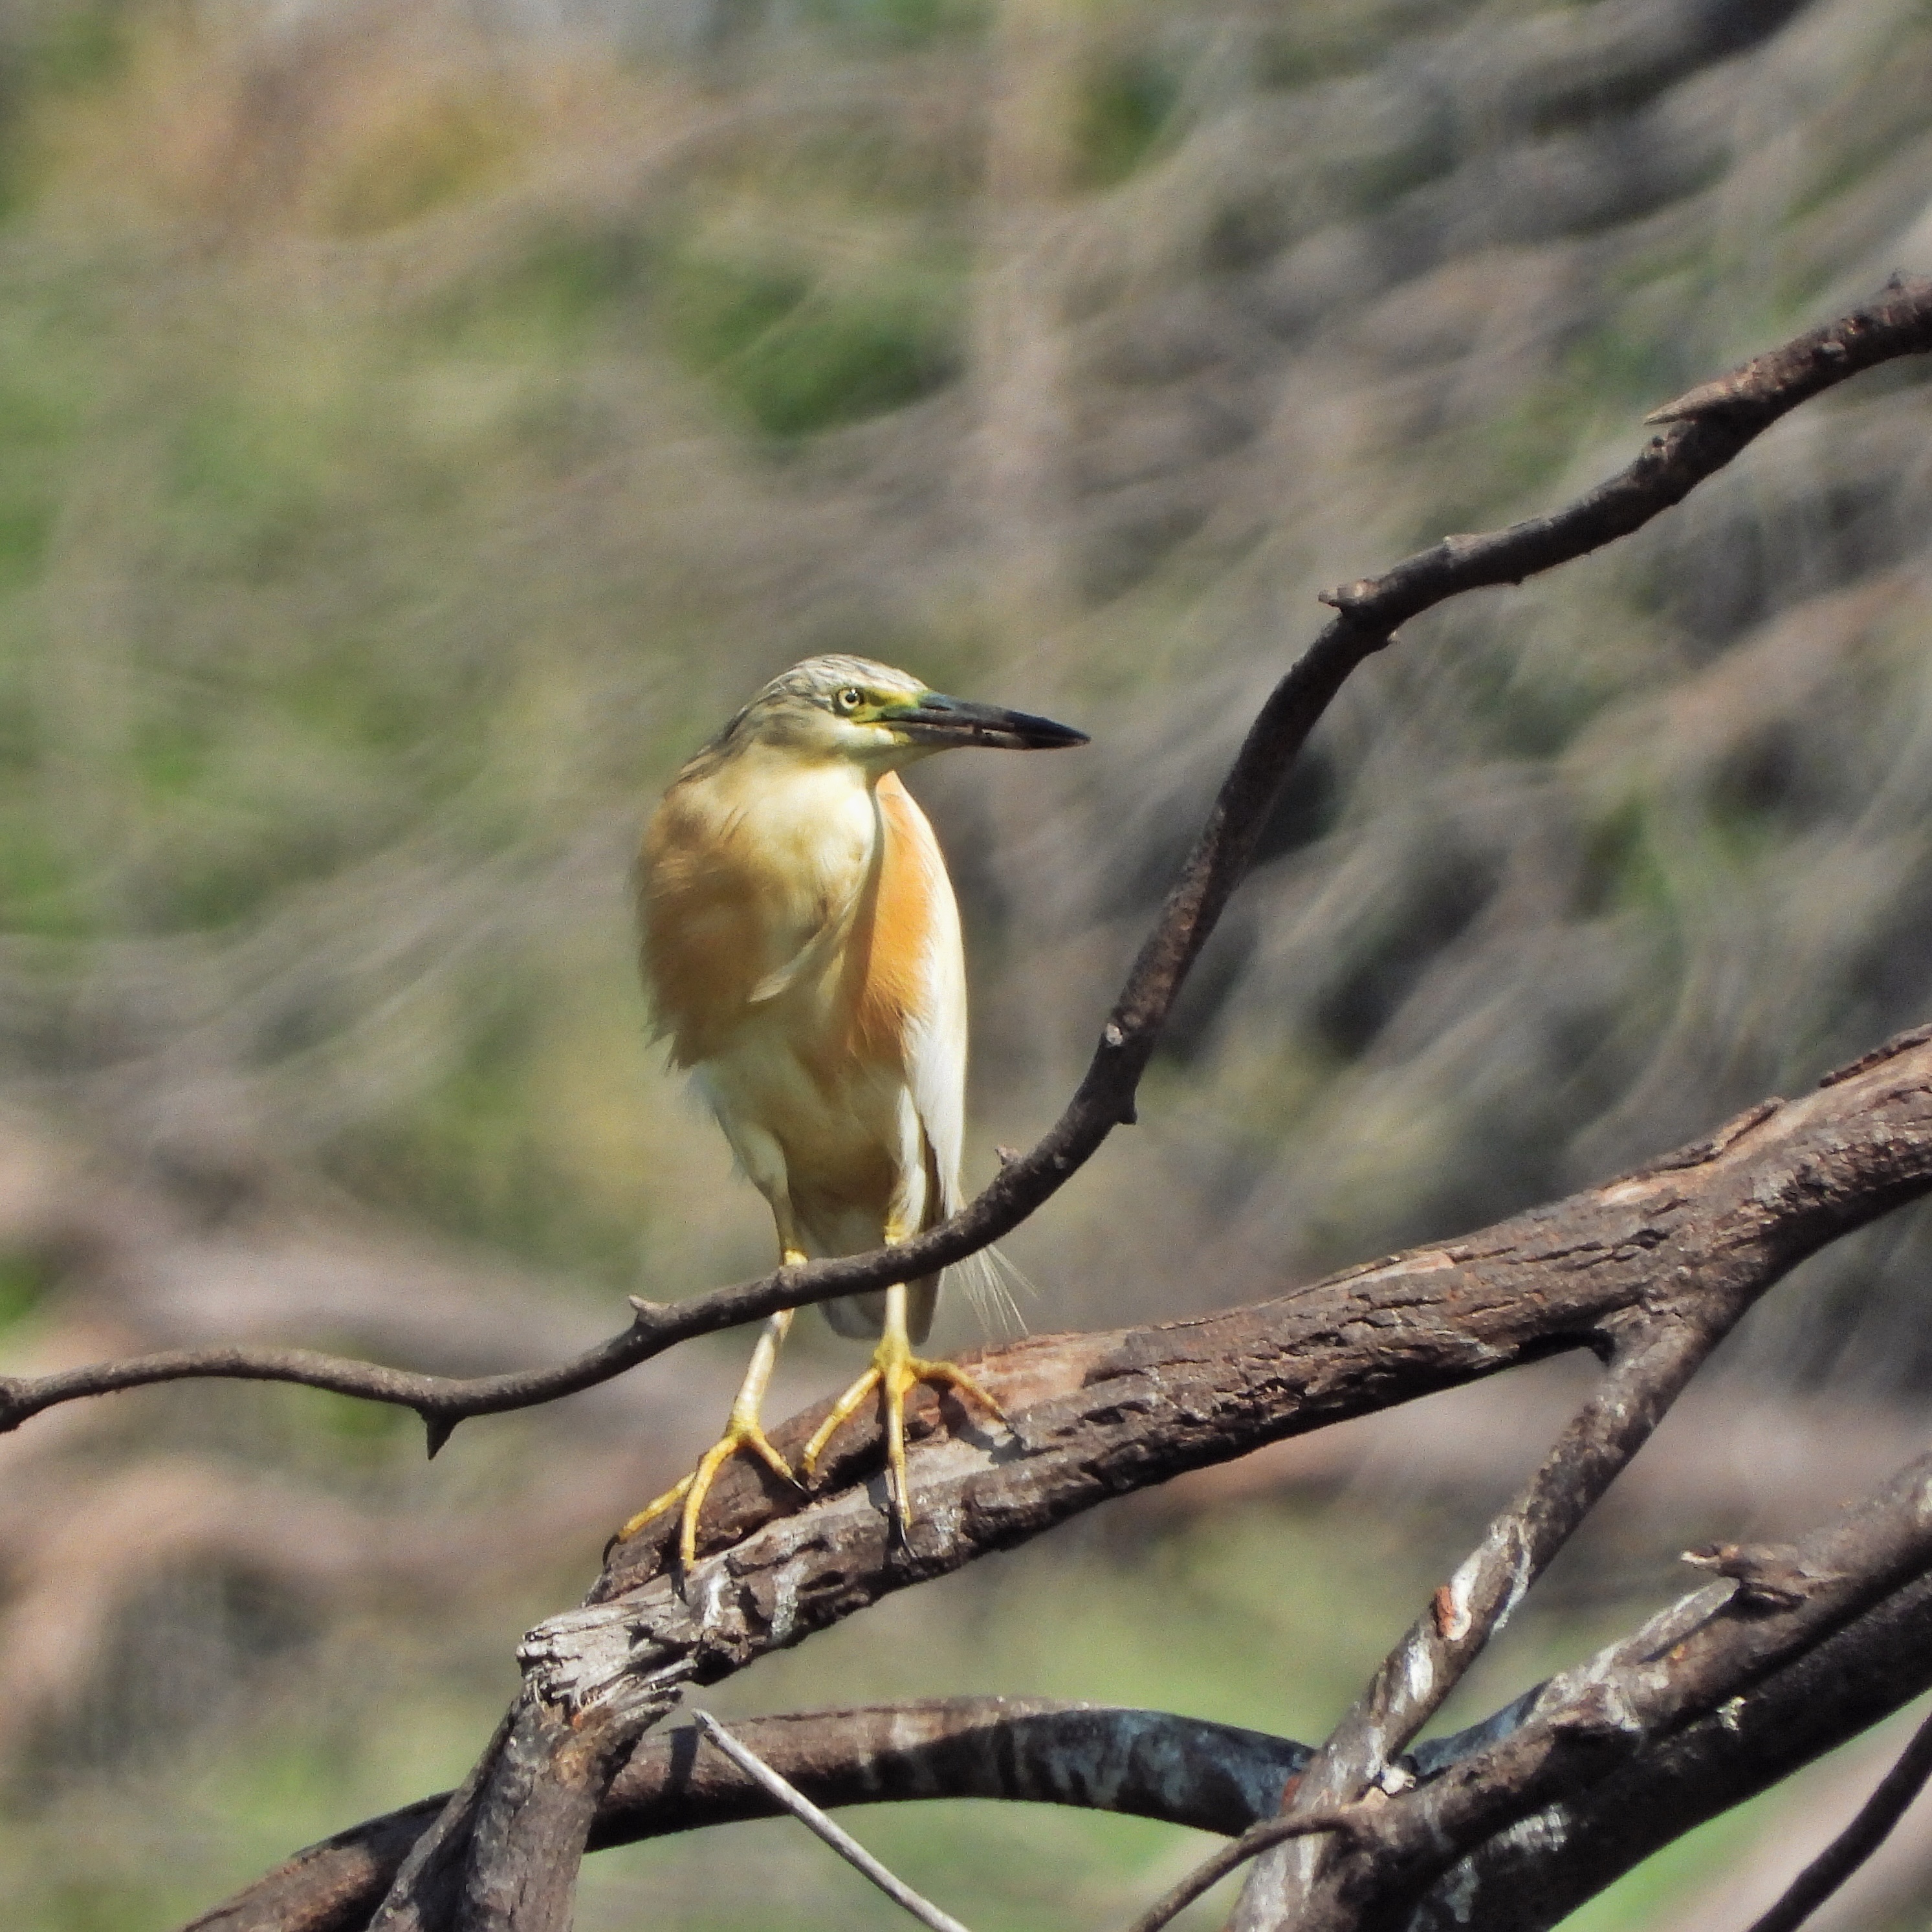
742 1434
895 1371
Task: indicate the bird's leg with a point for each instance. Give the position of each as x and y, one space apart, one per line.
895 1371
742 1431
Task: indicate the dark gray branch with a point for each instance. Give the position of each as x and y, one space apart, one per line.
1856 1843
1530 1878
1705 430
1586 1726
1215 1777
1654 1364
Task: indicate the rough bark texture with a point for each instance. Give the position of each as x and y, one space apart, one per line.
1696 1236
1524 1875
1703 1232
527 1842
1533 1874
1774 1607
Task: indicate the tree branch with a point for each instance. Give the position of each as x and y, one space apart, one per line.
1686 1664
1693 1240
1353 1823
1856 1843
1182 1771
1186 1772
1703 431
1654 1364
502 1853
1697 1236
1530 1877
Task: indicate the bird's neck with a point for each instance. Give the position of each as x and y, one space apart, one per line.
769 777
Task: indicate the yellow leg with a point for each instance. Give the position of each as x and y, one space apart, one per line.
895 1371
742 1432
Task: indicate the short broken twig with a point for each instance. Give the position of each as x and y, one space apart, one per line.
815 1821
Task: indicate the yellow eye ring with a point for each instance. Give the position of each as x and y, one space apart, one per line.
849 700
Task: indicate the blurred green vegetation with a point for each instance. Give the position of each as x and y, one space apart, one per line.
413 442
797 357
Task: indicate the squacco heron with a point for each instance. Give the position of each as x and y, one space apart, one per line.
801 946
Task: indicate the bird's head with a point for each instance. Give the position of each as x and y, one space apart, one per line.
852 708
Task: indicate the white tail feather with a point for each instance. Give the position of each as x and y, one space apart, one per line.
988 1281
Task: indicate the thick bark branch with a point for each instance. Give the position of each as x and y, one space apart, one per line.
1587 1725
424 1889
1700 1234
500 1854
541 1799
1704 430
1530 1877
1183 1771
1653 1367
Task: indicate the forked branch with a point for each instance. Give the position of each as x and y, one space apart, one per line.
1555 1749
1656 1355
1732 1688
1692 1239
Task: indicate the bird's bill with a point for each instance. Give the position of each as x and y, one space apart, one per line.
936 720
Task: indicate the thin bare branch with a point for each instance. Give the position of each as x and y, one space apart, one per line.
1704 431
1355 1823
1654 1362
1856 1843
815 1821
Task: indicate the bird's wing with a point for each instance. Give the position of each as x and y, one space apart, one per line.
812 954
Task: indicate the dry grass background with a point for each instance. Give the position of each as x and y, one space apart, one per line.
420 424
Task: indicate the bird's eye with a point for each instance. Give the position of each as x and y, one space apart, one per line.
849 700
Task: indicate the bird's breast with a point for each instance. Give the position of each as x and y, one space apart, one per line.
788 911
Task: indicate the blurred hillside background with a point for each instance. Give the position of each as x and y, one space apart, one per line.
421 423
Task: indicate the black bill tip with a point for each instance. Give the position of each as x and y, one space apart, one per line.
938 720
